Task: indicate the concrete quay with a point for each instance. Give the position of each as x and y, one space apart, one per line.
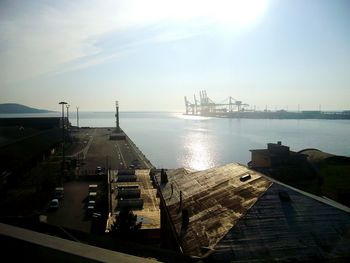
99 150
93 147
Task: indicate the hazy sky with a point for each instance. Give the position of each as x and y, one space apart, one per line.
149 54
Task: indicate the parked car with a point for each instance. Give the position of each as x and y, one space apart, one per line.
92 196
90 209
54 204
59 193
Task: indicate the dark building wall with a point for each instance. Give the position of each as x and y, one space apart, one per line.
22 152
38 123
260 160
278 149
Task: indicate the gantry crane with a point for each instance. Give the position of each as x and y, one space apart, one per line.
206 105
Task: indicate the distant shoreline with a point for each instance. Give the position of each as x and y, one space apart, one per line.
14 108
341 115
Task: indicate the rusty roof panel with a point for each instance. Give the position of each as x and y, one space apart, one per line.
215 199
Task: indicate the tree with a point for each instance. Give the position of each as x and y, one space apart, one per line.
125 223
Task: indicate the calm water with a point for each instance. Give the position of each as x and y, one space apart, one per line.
172 140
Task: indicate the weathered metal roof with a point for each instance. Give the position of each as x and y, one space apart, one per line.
215 200
294 229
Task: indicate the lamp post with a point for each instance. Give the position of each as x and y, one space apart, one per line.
67 106
78 117
63 138
117 116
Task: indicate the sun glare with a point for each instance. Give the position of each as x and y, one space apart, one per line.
237 13
233 13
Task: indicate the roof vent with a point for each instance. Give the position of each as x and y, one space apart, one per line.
129 192
132 203
284 196
245 177
126 178
126 172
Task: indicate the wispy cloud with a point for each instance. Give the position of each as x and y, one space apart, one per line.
55 37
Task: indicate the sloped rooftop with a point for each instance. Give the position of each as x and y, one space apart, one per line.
316 155
215 200
257 219
299 229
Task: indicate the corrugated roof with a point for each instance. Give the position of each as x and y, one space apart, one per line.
215 200
301 229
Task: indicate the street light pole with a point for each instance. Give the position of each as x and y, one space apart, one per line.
78 117
63 138
67 106
117 116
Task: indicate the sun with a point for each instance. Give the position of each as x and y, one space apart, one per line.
238 13
232 13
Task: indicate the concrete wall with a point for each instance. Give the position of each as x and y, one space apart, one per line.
260 160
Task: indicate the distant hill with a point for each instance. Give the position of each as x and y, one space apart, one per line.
18 108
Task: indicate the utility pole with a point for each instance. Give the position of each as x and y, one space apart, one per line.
78 117
67 106
117 116
63 139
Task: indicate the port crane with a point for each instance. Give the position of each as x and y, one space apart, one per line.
208 106
190 107
237 103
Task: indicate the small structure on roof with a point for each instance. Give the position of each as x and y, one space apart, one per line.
275 154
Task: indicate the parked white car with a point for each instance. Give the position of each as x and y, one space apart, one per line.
54 204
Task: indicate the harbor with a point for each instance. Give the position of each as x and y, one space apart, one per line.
112 195
175 131
236 109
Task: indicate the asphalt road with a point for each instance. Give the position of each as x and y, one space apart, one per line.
71 212
101 151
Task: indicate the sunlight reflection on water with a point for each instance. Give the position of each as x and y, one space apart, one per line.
198 150
190 117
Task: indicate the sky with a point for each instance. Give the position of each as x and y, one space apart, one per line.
149 54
